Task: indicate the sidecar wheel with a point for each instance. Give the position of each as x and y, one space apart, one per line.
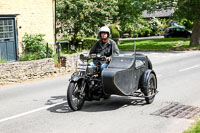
74 102
151 89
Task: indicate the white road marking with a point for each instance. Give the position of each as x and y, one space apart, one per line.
30 112
189 68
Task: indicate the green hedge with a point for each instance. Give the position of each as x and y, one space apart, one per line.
114 31
88 42
82 43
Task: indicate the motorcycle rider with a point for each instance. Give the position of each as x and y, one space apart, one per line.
105 47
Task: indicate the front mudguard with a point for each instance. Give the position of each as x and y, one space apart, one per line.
75 78
145 78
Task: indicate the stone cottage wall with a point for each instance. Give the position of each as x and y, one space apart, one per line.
33 17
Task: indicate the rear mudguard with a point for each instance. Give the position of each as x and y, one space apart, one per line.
145 77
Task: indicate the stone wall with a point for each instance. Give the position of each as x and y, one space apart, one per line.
70 62
26 70
17 72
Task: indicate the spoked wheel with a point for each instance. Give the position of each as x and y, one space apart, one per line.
74 99
151 89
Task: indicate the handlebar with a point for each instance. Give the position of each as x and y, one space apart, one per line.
92 56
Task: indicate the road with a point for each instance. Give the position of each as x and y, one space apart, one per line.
40 106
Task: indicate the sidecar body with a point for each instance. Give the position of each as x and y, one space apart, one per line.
126 75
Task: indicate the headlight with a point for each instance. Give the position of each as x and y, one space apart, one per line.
92 70
93 55
98 55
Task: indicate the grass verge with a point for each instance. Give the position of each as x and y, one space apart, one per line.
194 129
2 61
164 44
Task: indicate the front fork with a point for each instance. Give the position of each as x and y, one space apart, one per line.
82 89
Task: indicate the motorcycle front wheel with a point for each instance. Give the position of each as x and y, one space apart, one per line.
75 102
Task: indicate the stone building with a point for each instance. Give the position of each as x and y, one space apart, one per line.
158 14
18 17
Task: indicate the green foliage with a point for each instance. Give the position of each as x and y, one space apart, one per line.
144 31
194 129
55 58
131 10
34 47
84 43
2 61
84 17
188 9
89 42
29 56
187 23
164 25
33 43
143 27
114 31
184 9
155 26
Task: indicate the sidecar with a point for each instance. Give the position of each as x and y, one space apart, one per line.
130 75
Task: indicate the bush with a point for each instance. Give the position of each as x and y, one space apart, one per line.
33 43
187 23
28 56
143 27
2 61
114 31
144 31
83 43
34 47
87 43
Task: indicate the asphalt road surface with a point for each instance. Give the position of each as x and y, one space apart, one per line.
41 107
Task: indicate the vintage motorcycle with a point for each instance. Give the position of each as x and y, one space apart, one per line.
130 75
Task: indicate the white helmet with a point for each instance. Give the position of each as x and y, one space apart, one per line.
104 29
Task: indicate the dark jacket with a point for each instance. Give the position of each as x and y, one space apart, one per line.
106 49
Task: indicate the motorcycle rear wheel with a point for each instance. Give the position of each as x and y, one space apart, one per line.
74 102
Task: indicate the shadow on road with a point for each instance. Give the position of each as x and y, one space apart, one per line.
61 108
115 102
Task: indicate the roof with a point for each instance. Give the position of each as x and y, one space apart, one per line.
8 15
159 14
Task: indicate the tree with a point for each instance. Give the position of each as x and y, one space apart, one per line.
84 17
190 9
129 10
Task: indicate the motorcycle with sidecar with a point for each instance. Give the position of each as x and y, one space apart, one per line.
130 75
